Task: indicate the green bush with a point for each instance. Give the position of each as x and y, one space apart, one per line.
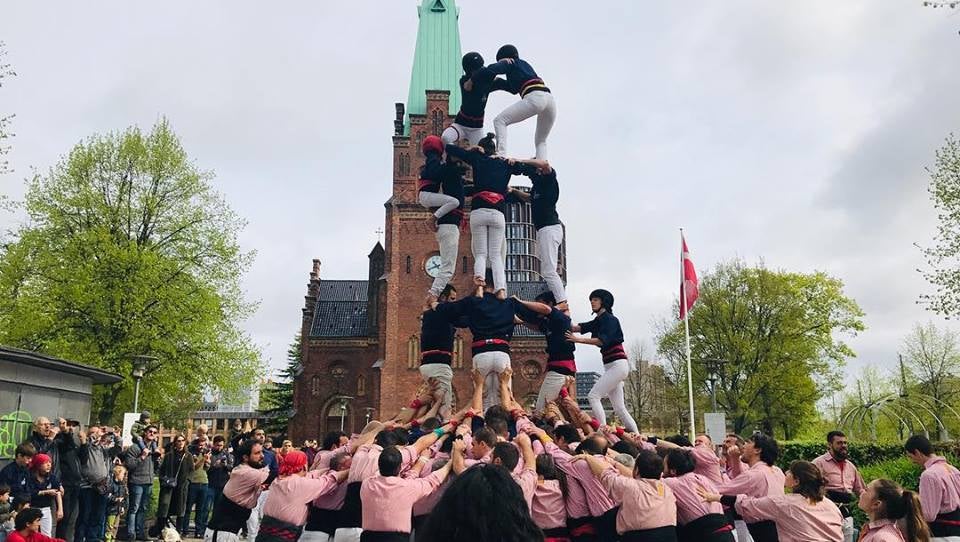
860 453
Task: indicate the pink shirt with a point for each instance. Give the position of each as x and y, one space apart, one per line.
760 480
364 463
388 500
647 504
690 505
289 497
527 480
797 519
881 530
576 496
708 464
939 488
840 475
333 500
322 461
598 501
243 487
425 505
548 509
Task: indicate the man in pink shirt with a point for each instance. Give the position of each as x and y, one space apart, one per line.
844 483
939 488
286 508
579 521
507 455
240 495
761 479
602 508
707 462
333 443
323 518
649 509
697 521
388 499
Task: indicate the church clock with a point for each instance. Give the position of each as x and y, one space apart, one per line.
432 265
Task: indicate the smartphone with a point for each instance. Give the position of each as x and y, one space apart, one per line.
73 423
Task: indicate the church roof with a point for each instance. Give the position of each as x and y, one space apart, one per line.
436 60
341 309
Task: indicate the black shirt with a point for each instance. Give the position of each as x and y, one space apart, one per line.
474 101
431 174
606 327
436 334
554 327
490 174
488 318
36 486
521 77
452 183
543 196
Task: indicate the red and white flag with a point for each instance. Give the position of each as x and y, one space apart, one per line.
689 286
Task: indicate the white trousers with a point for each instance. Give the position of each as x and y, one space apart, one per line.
448 239
443 375
455 132
537 103
311 536
610 385
741 532
490 365
549 239
945 539
221 536
435 199
348 535
550 389
487 229
253 522
46 521
848 529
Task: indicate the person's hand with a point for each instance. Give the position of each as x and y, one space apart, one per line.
522 439
505 375
144 453
478 281
707 496
733 453
459 446
468 85
59 514
506 60
477 378
572 337
426 453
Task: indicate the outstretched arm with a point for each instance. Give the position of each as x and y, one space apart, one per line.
534 306
476 402
574 338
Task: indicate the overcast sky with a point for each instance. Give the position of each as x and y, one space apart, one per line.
795 133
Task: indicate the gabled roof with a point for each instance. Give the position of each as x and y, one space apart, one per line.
341 309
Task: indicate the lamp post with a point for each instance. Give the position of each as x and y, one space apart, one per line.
343 409
139 369
714 368
369 414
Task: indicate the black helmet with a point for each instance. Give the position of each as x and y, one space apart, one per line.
605 297
472 62
507 51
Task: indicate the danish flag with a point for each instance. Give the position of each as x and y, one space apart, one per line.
689 286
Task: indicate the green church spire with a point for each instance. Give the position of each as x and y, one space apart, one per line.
436 61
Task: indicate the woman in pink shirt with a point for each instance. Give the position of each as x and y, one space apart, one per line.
800 516
285 510
886 503
648 512
697 521
549 511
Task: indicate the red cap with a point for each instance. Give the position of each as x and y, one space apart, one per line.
293 462
432 143
39 459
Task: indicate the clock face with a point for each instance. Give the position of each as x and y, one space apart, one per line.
432 265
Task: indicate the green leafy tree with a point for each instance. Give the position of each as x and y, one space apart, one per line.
943 258
128 250
277 400
777 333
5 120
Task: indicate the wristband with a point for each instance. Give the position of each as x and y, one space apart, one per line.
564 392
469 414
439 432
417 403
546 439
594 423
453 424
414 424
620 431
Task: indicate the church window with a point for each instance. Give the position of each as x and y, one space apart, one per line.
315 385
437 122
361 386
413 352
409 263
438 6
404 164
457 361
463 268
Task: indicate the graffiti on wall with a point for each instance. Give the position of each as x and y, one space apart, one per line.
15 428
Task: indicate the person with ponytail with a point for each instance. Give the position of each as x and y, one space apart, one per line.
608 335
697 521
801 515
895 514
535 100
939 488
287 506
476 84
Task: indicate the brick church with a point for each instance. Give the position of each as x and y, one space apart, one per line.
361 337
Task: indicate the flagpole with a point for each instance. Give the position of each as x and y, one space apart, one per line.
686 329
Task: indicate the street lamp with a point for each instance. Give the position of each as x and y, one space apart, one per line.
369 413
343 409
714 368
139 369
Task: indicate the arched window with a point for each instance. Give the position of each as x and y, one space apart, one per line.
437 122
409 264
413 352
457 360
315 385
361 386
463 268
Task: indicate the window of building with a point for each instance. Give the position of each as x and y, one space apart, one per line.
361 386
463 268
457 360
404 164
315 385
413 352
437 122
409 264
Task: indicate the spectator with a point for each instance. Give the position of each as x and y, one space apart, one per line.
174 472
96 453
221 463
6 511
45 492
116 502
28 528
142 461
198 489
16 474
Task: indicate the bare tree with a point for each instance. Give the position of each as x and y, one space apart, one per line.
932 358
645 389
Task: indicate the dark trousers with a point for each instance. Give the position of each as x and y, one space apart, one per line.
137 505
764 531
92 518
196 496
67 526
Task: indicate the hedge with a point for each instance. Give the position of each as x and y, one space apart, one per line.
861 454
